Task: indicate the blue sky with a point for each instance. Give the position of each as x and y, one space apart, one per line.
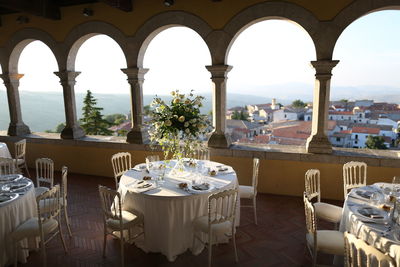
268 55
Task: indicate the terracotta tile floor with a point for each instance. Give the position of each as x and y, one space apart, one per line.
278 240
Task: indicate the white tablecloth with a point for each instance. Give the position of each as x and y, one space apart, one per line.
372 233
169 211
4 152
12 215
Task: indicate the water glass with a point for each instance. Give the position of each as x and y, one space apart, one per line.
151 160
396 185
377 198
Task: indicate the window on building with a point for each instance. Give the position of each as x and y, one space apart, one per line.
356 136
337 139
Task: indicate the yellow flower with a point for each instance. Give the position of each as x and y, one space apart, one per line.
167 123
181 118
187 101
176 101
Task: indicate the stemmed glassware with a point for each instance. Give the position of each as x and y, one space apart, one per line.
396 186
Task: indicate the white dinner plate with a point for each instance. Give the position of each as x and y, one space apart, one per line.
17 186
6 198
195 189
10 178
370 213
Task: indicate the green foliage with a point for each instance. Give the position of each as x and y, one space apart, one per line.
146 110
242 115
298 104
93 121
115 119
375 142
60 127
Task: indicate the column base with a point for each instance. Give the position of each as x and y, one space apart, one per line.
136 136
219 141
18 129
72 132
319 145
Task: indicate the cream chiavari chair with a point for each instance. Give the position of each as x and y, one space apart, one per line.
324 211
325 241
20 161
7 166
121 162
220 219
47 222
44 174
354 175
116 219
250 192
359 253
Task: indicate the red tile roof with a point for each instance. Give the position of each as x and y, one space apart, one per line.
365 130
341 113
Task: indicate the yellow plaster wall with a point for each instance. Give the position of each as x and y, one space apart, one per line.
129 22
275 176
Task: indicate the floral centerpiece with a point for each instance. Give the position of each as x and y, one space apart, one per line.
178 126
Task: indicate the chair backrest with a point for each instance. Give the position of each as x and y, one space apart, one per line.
202 154
354 175
7 166
20 148
48 204
311 222
110 203
359 253
254 182
312 184
44 171
121 162
222 207
64 182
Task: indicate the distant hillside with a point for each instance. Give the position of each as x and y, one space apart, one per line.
45 110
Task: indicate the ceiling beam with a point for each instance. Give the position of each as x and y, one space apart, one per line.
44 8
124 5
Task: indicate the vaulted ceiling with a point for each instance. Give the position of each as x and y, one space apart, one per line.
51 8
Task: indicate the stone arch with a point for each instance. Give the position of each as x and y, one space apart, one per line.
83 32
351 13
260 12
161 22
20 40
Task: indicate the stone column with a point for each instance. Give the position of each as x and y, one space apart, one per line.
72 129
17 127
219 139
318 142
135 79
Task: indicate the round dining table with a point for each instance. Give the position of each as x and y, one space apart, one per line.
169 210
365 218
4 152
12 214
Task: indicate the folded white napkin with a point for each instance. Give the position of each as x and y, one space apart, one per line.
140 186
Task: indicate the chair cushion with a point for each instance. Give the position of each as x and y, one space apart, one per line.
128 219
201 223
40 190
20 161
30 228
328 241
246 191
328 212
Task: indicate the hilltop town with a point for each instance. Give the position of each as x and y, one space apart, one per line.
350 123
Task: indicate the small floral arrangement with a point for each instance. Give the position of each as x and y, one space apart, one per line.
178 127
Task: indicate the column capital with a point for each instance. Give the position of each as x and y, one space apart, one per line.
11 77
324 67
219 71
135 73
67 75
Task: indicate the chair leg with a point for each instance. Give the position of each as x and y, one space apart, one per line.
15 254
105 242
27 171
43 251
209 248
234 244
67 220
122 249
255 210
62 237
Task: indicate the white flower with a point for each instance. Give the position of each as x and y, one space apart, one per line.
187 101
186 124
176 101
181 118
187 130
167 123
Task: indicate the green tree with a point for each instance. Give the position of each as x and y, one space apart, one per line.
239 115
298 104
375 142
115 119
146 110
60 127
93 121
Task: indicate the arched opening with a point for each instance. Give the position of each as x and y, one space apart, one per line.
176 58
40 90
365 83
100 60
4 111
270 88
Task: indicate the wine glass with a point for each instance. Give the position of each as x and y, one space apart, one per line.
151 161
396 185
